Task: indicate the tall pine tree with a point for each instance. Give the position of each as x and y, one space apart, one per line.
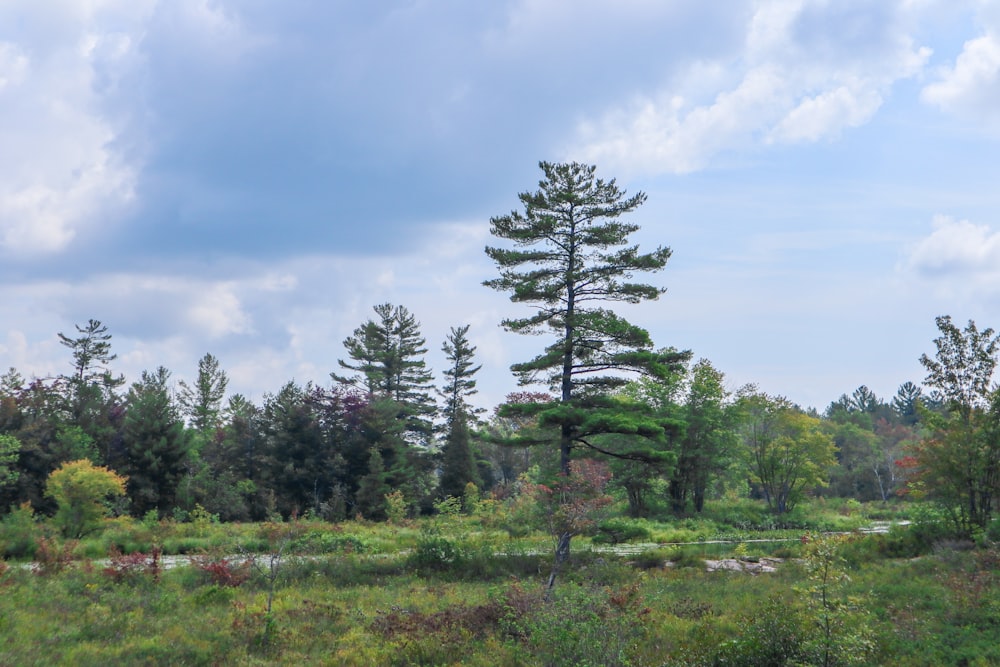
387 355
458 464
571 253
575 255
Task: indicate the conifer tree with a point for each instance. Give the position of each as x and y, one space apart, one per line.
370 499
156 444
571 253
458 464
388 359
202 403
90 395
460 383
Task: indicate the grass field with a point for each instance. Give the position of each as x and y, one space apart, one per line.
458 591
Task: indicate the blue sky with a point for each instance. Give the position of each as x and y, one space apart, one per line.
249 178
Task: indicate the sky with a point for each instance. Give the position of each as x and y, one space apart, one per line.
249 178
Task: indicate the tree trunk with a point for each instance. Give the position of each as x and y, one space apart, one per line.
561 556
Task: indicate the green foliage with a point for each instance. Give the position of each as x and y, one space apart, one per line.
156 443
571 251
840 632
80 489
435 553
350 606
202 403
448 507
10 448
959 465
19 533
681 558
789 451
773 637
329 541
373 489
388 358
618 530
585 626
471 499
395 507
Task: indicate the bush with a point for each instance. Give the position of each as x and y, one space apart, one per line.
619 530
224 572
326 541
80 489
19 533
586 626
686 558
773 636
134 567
53 557
653 558
434 553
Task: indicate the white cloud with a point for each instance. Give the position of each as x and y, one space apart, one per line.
971 88
218 312
13 65
798 83
958 249
60 174
825 114
956 266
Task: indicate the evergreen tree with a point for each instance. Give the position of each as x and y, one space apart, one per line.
91 400
905 403
576 256
298 465
92 354
156 444
458 464
571 253
388 359
370 498
460 383
202 403
864 400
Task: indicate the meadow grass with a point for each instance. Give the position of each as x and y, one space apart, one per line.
456 591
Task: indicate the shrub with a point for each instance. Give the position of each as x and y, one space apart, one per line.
619 530
133 567
434 552
326 541
774 635
224 571
52 557
19 533
653 558
79 489
686 558
395 507
581 625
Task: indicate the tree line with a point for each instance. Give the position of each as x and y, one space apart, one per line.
673 433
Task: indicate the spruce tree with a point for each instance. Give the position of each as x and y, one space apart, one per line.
156 444
372 489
